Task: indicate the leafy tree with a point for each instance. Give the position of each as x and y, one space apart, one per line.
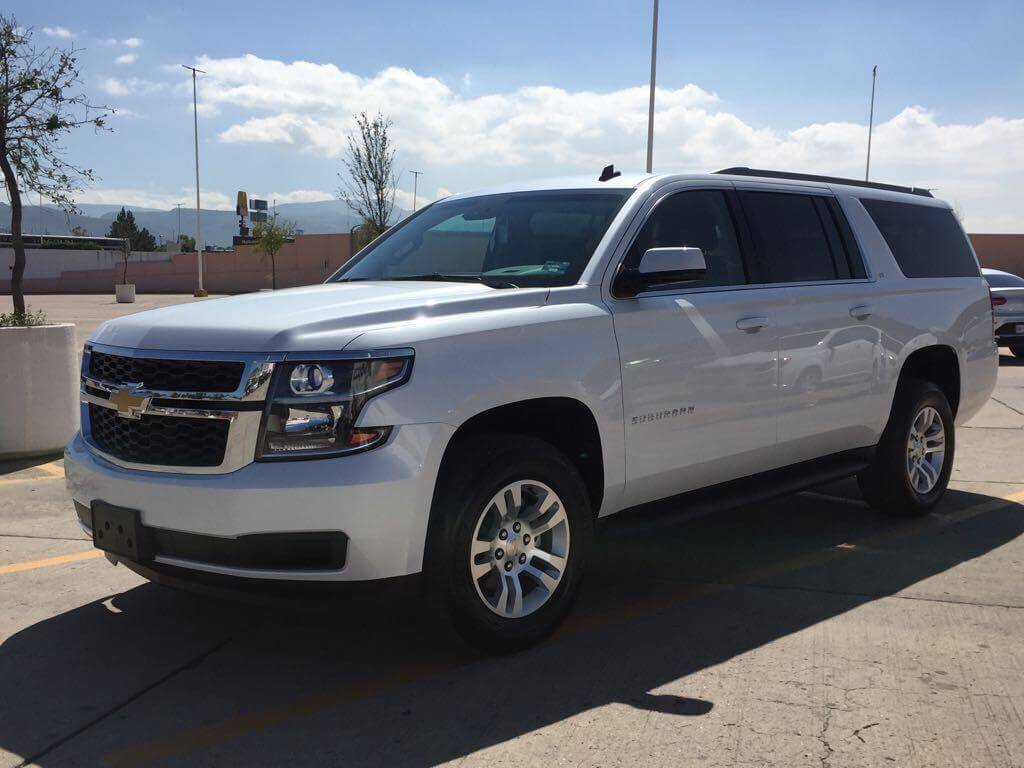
39 105
188 244
124 226
79 231
270 237
369 189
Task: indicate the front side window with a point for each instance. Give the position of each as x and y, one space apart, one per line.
520 239
926 240
792 242
696 219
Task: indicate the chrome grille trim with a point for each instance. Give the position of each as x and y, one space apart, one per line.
243 430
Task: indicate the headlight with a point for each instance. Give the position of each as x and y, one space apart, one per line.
313 405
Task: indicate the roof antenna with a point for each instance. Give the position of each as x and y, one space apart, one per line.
609 173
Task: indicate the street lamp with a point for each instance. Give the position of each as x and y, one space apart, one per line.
415 184
200 291
650 110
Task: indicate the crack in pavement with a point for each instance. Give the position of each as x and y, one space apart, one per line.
190 664
863 728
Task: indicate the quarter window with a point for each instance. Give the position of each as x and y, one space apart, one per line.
926 240
696 219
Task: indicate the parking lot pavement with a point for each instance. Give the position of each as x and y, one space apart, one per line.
807 631
88 310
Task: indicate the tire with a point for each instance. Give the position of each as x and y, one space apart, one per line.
891 484
1017 350
481 597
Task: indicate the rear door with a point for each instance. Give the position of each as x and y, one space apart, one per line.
830 348
699 360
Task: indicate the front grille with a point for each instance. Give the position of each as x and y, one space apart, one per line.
167 375
169 440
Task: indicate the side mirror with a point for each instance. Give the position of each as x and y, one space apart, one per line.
661 266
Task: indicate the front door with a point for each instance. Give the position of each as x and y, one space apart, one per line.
699 360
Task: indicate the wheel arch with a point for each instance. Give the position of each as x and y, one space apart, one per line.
939 364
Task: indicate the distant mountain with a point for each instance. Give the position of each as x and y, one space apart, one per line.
218 226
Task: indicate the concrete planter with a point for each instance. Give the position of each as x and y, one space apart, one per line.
39 386
125 293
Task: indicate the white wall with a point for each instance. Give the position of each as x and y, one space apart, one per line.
50 263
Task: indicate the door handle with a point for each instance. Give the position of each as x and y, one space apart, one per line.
861 312
751 324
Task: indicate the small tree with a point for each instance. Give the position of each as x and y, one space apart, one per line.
39 105
369 187
124 226
270 237
188 244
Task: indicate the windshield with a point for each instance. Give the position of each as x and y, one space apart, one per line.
520 239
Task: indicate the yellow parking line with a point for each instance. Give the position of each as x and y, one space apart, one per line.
89 554
260 720
54 469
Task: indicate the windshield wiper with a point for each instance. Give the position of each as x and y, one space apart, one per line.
442 278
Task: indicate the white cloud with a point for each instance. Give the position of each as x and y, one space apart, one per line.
115 87
132 42
126 58
62 33
298 196
544 131
131 85
210 200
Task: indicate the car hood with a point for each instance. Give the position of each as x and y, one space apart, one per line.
314 318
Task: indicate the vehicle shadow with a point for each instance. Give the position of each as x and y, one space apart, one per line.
157 675
10 466
1010 360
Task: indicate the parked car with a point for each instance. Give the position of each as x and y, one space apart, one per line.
1008 304
479 385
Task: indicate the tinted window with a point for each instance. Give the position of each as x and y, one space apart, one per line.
791 240
926 241
699 219
1003 280
524 238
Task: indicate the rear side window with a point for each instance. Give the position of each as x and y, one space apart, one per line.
926 241
795 237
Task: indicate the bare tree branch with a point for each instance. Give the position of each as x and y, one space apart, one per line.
370 185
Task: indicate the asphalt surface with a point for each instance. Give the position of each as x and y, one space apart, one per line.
809 631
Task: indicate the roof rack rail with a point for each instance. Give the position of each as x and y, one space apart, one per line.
743 171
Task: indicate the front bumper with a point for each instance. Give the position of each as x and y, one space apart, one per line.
380 500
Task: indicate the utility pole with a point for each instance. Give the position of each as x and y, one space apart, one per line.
177 234
650 111
415 185
200 291
871 120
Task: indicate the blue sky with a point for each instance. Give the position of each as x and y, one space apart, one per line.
486 92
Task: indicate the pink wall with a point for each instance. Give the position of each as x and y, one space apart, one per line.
309 260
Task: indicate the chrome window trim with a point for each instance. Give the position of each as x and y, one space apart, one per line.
365 354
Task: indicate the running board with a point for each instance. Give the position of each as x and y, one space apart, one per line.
737 493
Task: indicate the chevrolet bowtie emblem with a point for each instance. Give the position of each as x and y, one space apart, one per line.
129 404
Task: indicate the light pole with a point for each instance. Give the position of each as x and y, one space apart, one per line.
871 121
650 110
177 234
415 185
200 291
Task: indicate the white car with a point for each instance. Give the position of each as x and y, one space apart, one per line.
478 386
1008 304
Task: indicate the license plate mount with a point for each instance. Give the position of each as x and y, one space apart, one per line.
119 531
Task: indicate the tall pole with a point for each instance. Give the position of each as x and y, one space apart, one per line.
200 291
177 234
871 120
650 110
415 187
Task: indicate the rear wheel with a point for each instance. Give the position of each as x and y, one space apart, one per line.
913 461
1017 350
513 526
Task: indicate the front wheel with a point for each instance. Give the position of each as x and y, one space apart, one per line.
913 461
513 523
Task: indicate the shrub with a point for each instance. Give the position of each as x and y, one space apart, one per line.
22 319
